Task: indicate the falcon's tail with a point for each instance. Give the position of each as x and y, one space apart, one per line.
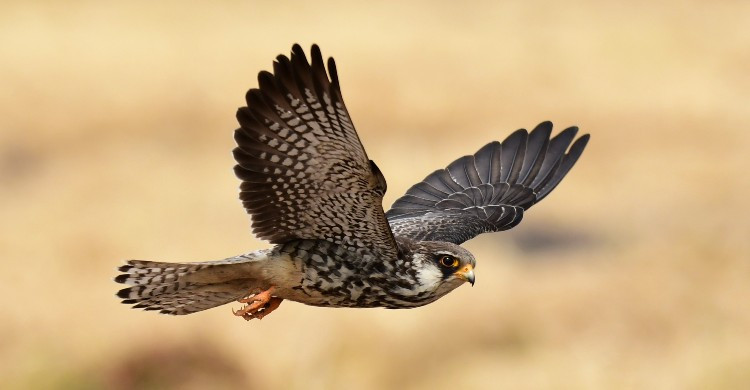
184 288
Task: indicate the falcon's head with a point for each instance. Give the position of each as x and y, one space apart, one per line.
442 266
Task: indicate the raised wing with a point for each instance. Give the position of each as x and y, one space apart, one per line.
305 174
489 191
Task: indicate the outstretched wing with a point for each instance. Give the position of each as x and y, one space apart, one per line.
305 174
489 191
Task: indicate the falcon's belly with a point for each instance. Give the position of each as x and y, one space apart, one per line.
320 273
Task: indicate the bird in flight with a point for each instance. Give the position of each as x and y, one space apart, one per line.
312 191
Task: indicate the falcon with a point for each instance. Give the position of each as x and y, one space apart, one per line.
312 191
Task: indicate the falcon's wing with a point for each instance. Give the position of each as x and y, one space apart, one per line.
489 191
305 174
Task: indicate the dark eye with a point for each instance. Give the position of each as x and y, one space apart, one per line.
448 261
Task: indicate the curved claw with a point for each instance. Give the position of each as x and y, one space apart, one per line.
258 305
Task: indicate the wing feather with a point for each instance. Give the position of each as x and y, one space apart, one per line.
488 191
305 174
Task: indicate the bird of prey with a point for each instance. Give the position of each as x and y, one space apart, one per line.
312 191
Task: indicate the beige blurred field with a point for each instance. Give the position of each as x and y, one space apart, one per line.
115 135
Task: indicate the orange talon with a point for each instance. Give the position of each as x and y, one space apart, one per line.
272 304
258 305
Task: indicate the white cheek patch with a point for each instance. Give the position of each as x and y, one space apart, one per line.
429 278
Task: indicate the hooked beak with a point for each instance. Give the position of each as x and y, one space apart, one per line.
466 273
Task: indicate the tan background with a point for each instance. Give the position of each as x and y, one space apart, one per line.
115 136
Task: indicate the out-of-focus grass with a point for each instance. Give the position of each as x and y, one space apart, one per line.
115 130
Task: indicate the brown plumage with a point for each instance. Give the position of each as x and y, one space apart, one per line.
311 190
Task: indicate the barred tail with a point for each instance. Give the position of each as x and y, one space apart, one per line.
184 288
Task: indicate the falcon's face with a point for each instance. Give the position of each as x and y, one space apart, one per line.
443 266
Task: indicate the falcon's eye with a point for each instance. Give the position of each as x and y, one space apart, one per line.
448 261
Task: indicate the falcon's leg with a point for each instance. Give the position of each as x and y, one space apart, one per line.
258 305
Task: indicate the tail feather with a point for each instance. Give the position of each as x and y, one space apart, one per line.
184 288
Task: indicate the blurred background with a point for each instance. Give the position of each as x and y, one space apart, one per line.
116 126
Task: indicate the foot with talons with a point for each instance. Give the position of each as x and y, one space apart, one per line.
258 305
